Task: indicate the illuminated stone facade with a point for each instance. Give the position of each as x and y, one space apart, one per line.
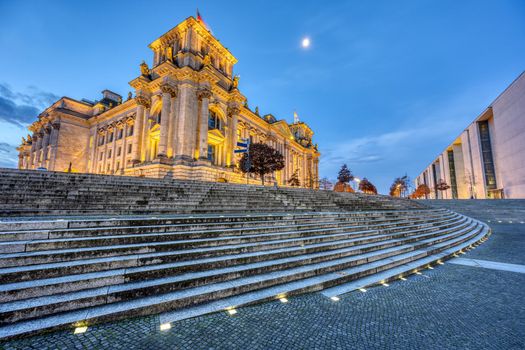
487 160
183 121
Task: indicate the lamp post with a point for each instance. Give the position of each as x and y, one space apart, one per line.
357 181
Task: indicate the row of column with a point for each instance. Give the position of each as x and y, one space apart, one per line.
43 148
183 124
95 162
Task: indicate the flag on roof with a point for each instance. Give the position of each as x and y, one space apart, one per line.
199 18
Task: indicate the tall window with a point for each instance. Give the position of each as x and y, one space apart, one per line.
486 150
130 130
110 137
211 154
452 170
120 132
158 117
215 122
434 176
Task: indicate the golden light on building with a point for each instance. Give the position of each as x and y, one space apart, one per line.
182 120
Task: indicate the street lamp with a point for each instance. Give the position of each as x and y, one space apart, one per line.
357 181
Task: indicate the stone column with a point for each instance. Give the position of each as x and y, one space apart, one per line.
100 135
305 173
123 164
142 103
104 159
32 151
93 150
233 113
114 148
45 143
146 125
172 128
53 141
39 148
204 97
286 162
187 123
168 92
26 161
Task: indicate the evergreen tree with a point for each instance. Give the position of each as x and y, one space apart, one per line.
345 175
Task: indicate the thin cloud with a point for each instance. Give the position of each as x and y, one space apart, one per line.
8 155
21 108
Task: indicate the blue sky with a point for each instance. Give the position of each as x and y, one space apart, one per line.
385 85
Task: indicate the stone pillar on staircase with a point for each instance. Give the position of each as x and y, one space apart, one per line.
168 92
45 143
114 148
53 144
172 128
32 151
142 103
38 157
204 95
187 123
233 114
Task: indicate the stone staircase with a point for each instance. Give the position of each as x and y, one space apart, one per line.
197 248
34 193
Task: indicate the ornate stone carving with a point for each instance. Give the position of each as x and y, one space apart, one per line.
143 101
203 93
235 82
130 96
130 119
233 110
169 53
169 89
207 60
144 69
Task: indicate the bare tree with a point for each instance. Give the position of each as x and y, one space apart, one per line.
325 184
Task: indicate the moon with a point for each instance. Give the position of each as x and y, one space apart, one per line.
305 43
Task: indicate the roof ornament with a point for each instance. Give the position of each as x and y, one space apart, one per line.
295 117
144 69
235 82
207 60
169 53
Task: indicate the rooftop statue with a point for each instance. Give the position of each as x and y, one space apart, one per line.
169 53
144 69
235 82
207 60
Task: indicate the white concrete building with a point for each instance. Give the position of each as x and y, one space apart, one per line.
487 160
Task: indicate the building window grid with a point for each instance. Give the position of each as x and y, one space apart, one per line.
486 151
452 170
435 180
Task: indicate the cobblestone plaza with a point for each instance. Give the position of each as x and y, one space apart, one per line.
452 306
